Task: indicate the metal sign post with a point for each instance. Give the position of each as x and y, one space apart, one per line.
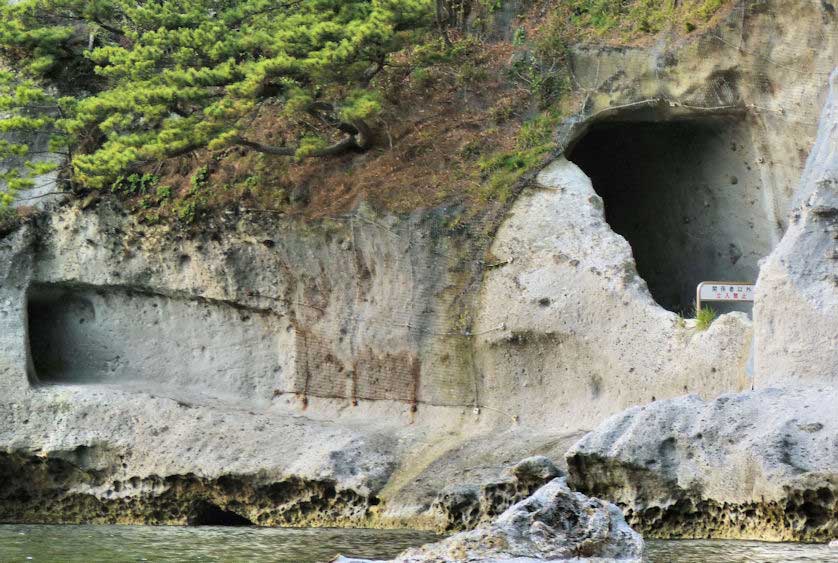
723 291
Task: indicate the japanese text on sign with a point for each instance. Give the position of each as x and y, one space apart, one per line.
725 291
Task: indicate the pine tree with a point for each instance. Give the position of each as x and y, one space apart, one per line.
121 83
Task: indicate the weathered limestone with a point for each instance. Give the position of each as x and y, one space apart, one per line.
583 328
762 464
579 324
465 506
264 363
759 465
685 190
555 523
15 273
80 454
91 335
307 286
152 378
767 60
796 336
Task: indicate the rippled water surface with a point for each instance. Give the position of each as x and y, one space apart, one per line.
205 543
714 551
142 543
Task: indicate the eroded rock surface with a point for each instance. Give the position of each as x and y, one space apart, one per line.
796 338
579 324
760 465
77 455
555 523
346 371
465 506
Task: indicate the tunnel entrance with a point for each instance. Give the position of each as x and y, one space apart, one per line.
686 195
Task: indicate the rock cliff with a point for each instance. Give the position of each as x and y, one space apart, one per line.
798 285
760 464
347 371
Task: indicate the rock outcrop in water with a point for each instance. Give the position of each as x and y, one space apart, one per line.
760 465
553 524
463 507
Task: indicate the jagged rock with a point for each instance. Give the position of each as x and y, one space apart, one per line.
534 469
555 523
462 507
754 465
459 507
796 333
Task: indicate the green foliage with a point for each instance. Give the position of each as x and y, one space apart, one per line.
361 105
163 192
520 37
503 169
167 77
134 184
640 16
601 15
8 219
538 133
421 77
188 209
544 69
436 52
18 122
433 61
704 317
469 74
491 6
708 8
199 178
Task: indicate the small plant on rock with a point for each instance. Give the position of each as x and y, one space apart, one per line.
704 317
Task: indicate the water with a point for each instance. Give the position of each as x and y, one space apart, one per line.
726 551
91 544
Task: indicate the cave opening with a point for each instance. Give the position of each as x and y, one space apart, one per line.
205 513
56 322
687 195
80 334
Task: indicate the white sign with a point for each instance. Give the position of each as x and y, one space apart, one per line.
725 291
